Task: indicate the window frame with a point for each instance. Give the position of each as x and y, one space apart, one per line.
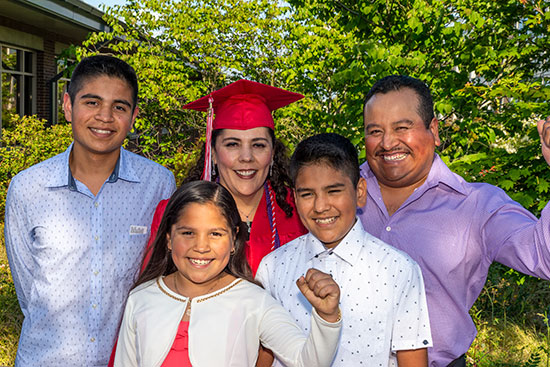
22 103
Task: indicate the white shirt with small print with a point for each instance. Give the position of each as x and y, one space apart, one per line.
382 299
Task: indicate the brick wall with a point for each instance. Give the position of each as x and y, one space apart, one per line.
46 69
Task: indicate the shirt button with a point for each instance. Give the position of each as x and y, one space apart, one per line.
96 272
388 228
96 238
94 306
96 204
92 339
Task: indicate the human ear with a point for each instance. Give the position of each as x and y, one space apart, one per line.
134 115
168 241
232 251
361 192
67 107
434 128
214 158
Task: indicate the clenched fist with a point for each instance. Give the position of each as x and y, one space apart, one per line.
322 292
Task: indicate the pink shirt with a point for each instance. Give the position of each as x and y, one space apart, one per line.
178 356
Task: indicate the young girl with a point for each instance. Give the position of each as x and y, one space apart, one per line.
195 304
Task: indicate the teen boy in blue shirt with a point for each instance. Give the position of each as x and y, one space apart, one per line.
77 223
384 312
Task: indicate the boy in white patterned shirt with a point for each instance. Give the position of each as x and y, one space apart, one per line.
383 300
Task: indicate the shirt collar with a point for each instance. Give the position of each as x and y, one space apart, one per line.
61 172
124 168
348 249
440 173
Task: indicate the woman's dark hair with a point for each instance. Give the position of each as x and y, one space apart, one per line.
280 179
201 192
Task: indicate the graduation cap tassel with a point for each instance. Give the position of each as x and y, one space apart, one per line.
207 170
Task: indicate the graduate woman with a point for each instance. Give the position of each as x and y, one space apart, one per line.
243 155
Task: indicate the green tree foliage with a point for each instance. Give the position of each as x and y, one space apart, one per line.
182 50
485 62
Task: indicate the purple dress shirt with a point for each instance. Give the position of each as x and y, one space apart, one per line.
454 230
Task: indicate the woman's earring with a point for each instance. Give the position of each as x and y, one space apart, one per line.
214 173
271 169
232 251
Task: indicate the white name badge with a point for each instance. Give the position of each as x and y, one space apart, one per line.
138 230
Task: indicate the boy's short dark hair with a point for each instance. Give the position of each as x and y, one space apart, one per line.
102 65
329 148
394 83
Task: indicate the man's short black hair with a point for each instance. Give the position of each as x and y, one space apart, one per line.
396 82
329 148
102 65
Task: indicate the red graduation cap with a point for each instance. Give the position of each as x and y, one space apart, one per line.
241 105
244 104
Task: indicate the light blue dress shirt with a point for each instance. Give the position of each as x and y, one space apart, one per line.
74 256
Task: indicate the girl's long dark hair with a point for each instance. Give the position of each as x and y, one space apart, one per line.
280 178
201 192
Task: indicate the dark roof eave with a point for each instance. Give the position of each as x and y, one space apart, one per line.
74 11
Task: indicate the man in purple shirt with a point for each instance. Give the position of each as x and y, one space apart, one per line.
453 229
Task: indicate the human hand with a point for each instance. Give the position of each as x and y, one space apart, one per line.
543 126
322 292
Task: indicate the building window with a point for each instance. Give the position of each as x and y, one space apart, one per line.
59 85
17 72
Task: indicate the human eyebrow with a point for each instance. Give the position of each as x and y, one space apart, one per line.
124 102
255 140
231 139
183 228
90 96
371 125
95 96
335 186
403 121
